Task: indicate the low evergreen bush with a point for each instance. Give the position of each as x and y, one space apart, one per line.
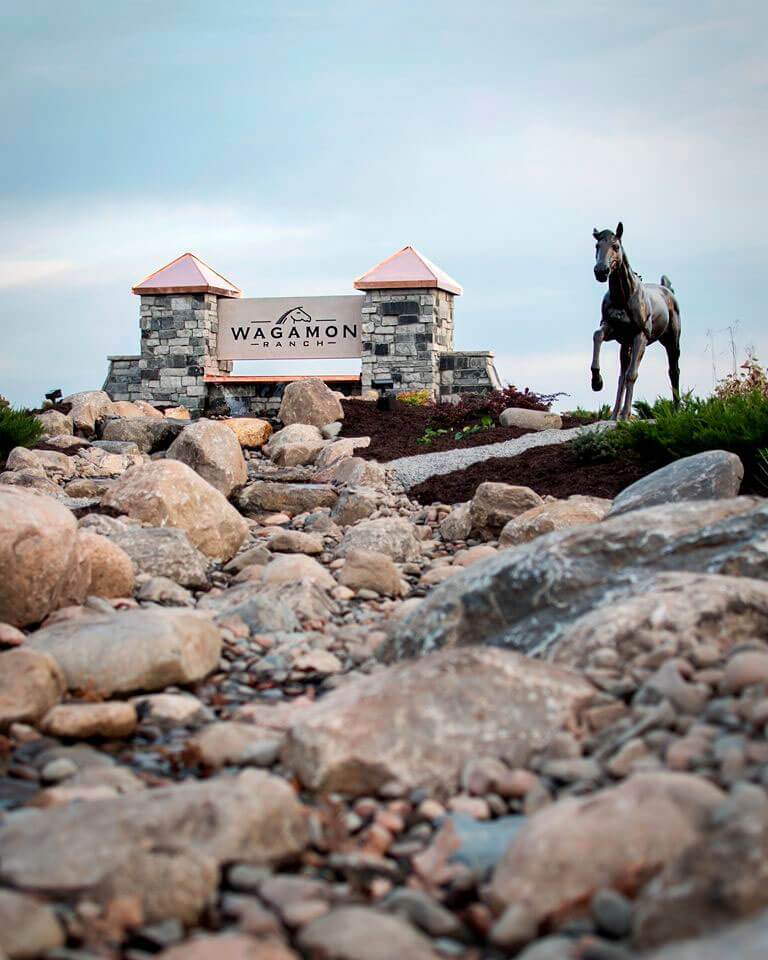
18 428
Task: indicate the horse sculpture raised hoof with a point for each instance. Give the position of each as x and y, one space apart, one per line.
635 314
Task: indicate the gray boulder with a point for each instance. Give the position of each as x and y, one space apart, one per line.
163 552
150 434
526 597
712 475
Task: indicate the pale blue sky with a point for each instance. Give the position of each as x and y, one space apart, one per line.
292 145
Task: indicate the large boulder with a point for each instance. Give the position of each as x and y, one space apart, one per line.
554 515
615 838
250 431
163 552
368 570
355 504
303 433
150 434
86 408
131 650
353 472
112 572
28 926
56 424
40 555
169 493
291 568
394 536
495 504
530 419
340 449
418 723
213 451
723 877
289 497
712 475
674 612
30 684
164 846
525 598
310 401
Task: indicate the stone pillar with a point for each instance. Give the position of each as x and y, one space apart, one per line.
178 347
404 334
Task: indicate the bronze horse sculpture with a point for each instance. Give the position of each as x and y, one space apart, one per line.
635 314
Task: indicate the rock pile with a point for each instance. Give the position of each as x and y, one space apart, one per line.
256 703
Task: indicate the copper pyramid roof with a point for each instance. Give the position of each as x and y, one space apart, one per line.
187 274
407 269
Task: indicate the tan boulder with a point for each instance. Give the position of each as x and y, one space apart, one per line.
165 846
615 838
554 515
83 720
55 465
147 410
212 451
457 525
40 556
341 449
169 493
530 419
111 568
495 504
250 431
290 568
87 407
419 722
297 454
294 541
28 926
33 480
124 408
55 424
366 569
228 743
30 684
394 536
131 650
291 498
310 401
353 472
177 413
293 433
355 504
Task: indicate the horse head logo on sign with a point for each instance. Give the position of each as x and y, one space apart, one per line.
295 315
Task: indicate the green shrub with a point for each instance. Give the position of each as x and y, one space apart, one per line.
589 416
18 428
599 446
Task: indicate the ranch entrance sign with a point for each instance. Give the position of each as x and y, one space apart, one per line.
195 323
303 328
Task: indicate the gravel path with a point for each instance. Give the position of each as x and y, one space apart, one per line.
412 470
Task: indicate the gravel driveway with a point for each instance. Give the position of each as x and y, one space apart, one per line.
412 470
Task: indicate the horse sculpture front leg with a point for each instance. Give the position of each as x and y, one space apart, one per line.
639 344
597 342
625 352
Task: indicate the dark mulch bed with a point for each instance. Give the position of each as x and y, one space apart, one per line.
394 433
550 470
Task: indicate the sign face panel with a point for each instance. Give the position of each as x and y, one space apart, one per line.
290 328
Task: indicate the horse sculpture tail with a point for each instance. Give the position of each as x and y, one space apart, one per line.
666 282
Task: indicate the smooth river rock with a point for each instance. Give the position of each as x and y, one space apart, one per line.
132 649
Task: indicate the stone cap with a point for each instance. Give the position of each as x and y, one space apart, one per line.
187 274
407 269
125 356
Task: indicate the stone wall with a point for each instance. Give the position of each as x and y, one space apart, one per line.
178 347
123 378
467 371
404 334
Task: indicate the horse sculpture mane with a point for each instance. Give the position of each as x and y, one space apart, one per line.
634 314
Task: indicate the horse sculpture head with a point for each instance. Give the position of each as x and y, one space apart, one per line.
609 252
